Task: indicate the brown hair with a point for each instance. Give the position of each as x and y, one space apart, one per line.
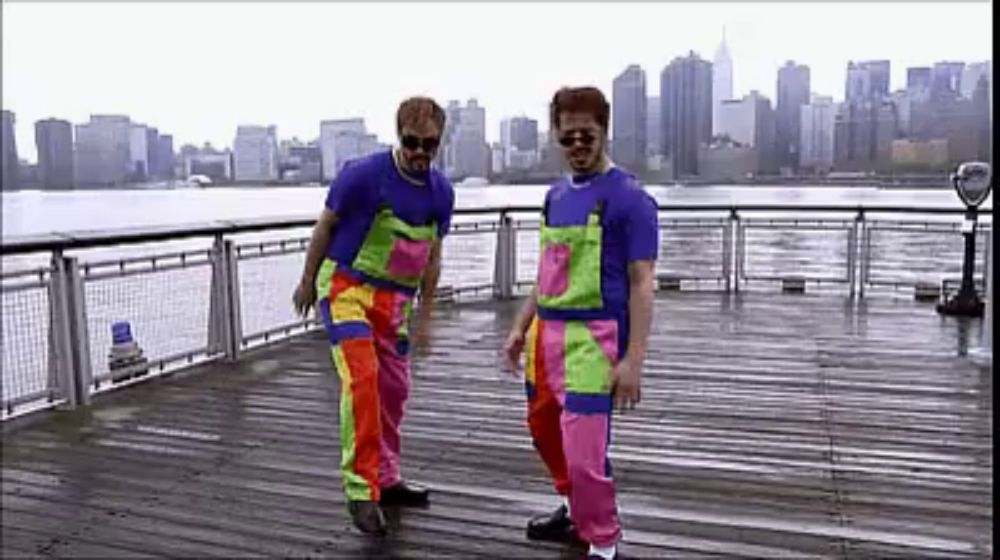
416 109
580 100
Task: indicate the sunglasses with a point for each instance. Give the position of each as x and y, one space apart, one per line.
411 142
585 138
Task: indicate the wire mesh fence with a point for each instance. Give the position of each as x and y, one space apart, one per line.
692 248
907 253
268 275
165 290
818 251
527 252
164 298
468 259
28 372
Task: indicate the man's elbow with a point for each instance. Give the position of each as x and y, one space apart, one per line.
642 278
327 220
645 291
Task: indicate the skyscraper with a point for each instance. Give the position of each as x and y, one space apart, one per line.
518 146
982 108
946 79
54 142
867 80
903 102
750 123
139 153
793 93
686 111
468 153
453 113
102 150
971 75
722 81
654 142
918 81
165 156
11 167
964 123
863 135
255 153
520 133
816 134
341 140
628 121
153 152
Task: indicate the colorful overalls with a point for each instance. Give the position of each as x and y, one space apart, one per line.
568 368
365 307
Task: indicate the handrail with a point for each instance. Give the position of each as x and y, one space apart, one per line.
64 241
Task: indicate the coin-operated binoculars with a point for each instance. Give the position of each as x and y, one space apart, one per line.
972 182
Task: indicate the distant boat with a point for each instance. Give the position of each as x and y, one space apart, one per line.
473 182
199 180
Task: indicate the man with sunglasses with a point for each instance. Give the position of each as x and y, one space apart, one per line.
586 322
376 246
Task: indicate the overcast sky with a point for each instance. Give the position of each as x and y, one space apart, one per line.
198 70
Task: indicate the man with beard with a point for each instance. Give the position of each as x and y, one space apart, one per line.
586 322
377 244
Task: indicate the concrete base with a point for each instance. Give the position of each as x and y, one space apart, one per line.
793 285
668 283
962 305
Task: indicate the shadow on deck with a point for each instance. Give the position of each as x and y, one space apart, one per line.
771 426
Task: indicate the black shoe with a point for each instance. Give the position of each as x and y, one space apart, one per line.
618 556
406 495
367 516
556 527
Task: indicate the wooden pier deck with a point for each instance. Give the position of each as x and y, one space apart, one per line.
794 426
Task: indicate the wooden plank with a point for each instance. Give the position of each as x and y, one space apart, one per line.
771 426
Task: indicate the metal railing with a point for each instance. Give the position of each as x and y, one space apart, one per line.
207 292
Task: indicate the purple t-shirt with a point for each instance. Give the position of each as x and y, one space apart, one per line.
630 233
365 183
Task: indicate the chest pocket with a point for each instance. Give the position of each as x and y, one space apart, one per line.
569 268
394 249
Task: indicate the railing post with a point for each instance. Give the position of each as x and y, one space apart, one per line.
79 332
217 326
984 353
988 256
513 255
727 249
852 252
865 250
741 243
505 261
233 316
69 342
224 324
988 321
61 376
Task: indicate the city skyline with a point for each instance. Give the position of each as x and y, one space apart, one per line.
200 103
924 125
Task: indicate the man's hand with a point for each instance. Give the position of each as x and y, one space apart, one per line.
511 352
304 297
625 384
420 327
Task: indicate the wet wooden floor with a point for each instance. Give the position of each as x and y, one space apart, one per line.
771 426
